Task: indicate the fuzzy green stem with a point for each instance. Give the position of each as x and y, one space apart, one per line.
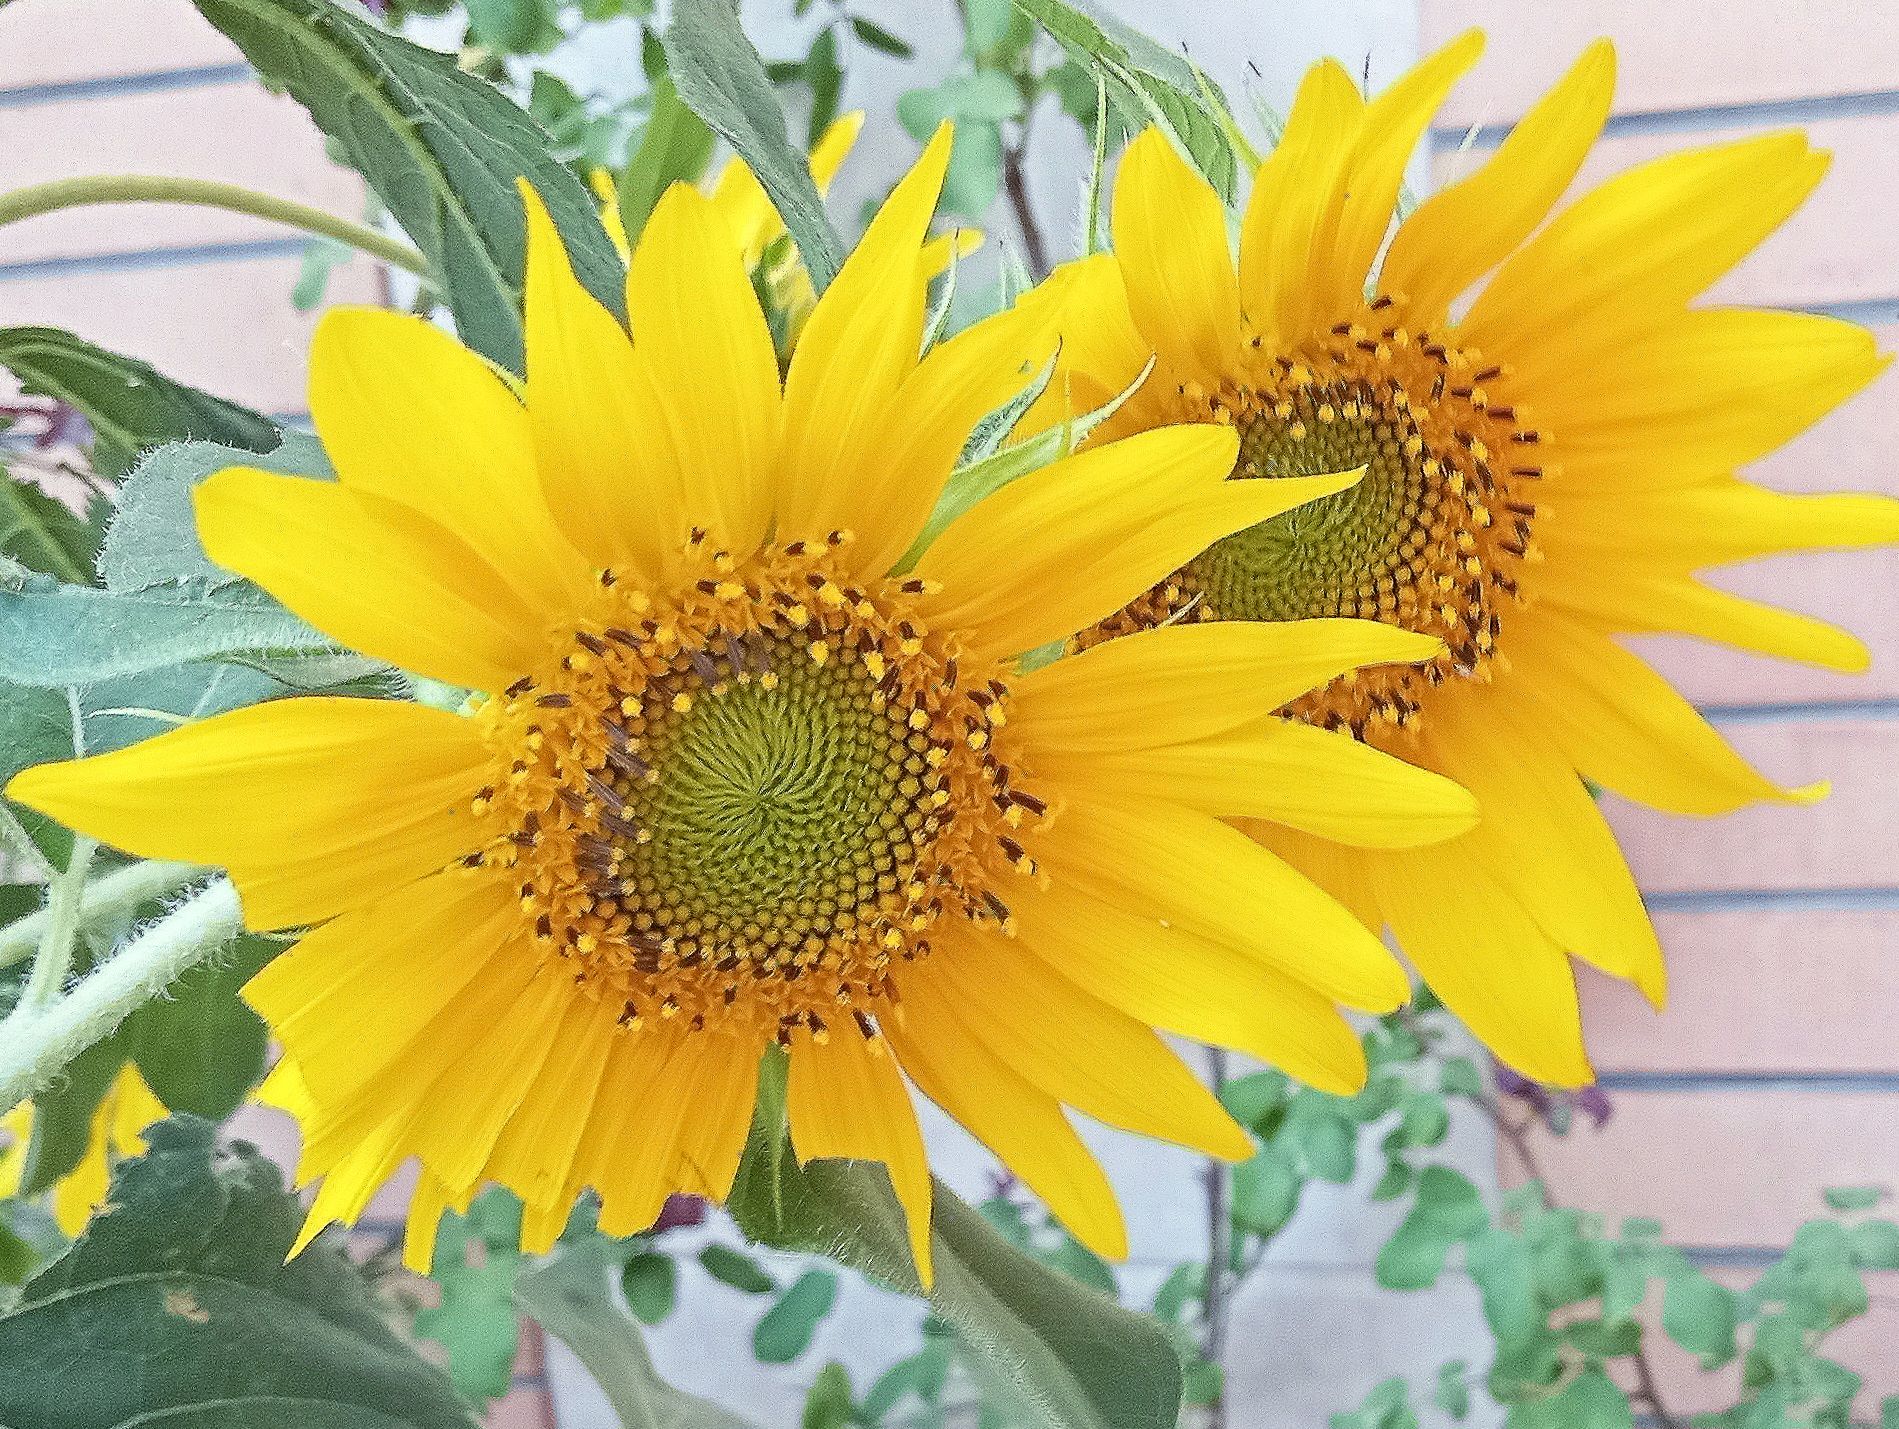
34 1050
55 956
118 892
37 199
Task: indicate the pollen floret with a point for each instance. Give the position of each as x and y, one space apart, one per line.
1433 539
738 804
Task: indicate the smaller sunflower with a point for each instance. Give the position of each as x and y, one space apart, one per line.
116 1132
741 775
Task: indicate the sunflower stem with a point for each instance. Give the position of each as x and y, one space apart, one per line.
36 199
37 1044
55 956
113 893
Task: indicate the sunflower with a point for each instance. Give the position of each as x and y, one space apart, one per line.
1546 471
116 1131
741 775
743 203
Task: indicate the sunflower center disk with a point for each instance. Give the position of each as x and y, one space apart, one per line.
742 805
1433 537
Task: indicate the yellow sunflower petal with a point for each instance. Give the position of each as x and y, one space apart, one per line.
846 1100
1460 233
1627 729
1359 217
1291 193
713 1138
743 203
1721 521
626 1147
859 345
1216 883
350 1185
1072 1045
409 414
383 579
713 363
1188 682
315 805
611 474
1086 301
1023 1126
1645 241
534 1155
1312 779
1170 235
1190 986
1484 955
1544 838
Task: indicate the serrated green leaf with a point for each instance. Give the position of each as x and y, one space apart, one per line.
130 404
45 535
737 1269
1699 1315
177 1302
441 148
721 77
650 1282
674 147
786 1329
200 1048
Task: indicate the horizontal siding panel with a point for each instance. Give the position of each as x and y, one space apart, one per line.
1832 844
227 327
59 41
1685 54
1722 1168
237 132
1762 991
1841 247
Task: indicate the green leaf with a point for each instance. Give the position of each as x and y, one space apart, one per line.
321 258
63 1113
477 1258
441 148
674 146
1590 1401
45 535
1854 1198
199 1047
1082 1360
1447 1210
1425 1120
650 1282
517 27
1460 1078
1146 84
153 536
1256 1099
1889 1412
785 1331
1499 1263
130 404
1451 1393
830 1404
1876 1245
1699 1315
1327 1140
1395 1182
1266 1190
825 79
880 39
177 1303
719 74
1202 1383
567 1295
737 1269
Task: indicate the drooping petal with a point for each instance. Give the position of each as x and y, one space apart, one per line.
1461 232
1181 683
409 414
1216 883
1072 1045
384 579
1484 955
713 364
1312 779
315 805
861 342
846 1100
1023 1126
1192 986
1102 351
1170 236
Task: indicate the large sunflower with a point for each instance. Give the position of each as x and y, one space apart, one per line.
1546 471
741 776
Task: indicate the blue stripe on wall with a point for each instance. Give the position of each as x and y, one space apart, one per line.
1805 900
119 86
1703 117
1803 1082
